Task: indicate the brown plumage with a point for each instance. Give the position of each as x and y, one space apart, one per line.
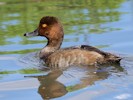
54 57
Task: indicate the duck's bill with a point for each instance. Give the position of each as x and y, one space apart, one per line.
34 33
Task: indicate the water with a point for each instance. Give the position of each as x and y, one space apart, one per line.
106 24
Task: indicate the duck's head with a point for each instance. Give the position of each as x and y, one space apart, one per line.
49 27
52 29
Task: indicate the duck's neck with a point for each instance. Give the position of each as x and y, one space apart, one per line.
52 45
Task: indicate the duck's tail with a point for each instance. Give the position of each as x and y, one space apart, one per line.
111 58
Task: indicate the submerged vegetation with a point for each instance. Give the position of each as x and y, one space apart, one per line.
22 71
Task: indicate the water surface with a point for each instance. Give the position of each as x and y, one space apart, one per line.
106 24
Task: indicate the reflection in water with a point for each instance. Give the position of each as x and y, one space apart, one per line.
50 87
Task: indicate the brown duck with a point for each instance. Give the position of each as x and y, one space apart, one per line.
54 57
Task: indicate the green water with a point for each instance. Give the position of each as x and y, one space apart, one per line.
106 24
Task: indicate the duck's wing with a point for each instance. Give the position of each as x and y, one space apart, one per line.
109 56
91 48
88 48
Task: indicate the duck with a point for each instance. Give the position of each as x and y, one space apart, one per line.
54 56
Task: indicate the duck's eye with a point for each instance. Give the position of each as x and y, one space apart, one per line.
44 25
